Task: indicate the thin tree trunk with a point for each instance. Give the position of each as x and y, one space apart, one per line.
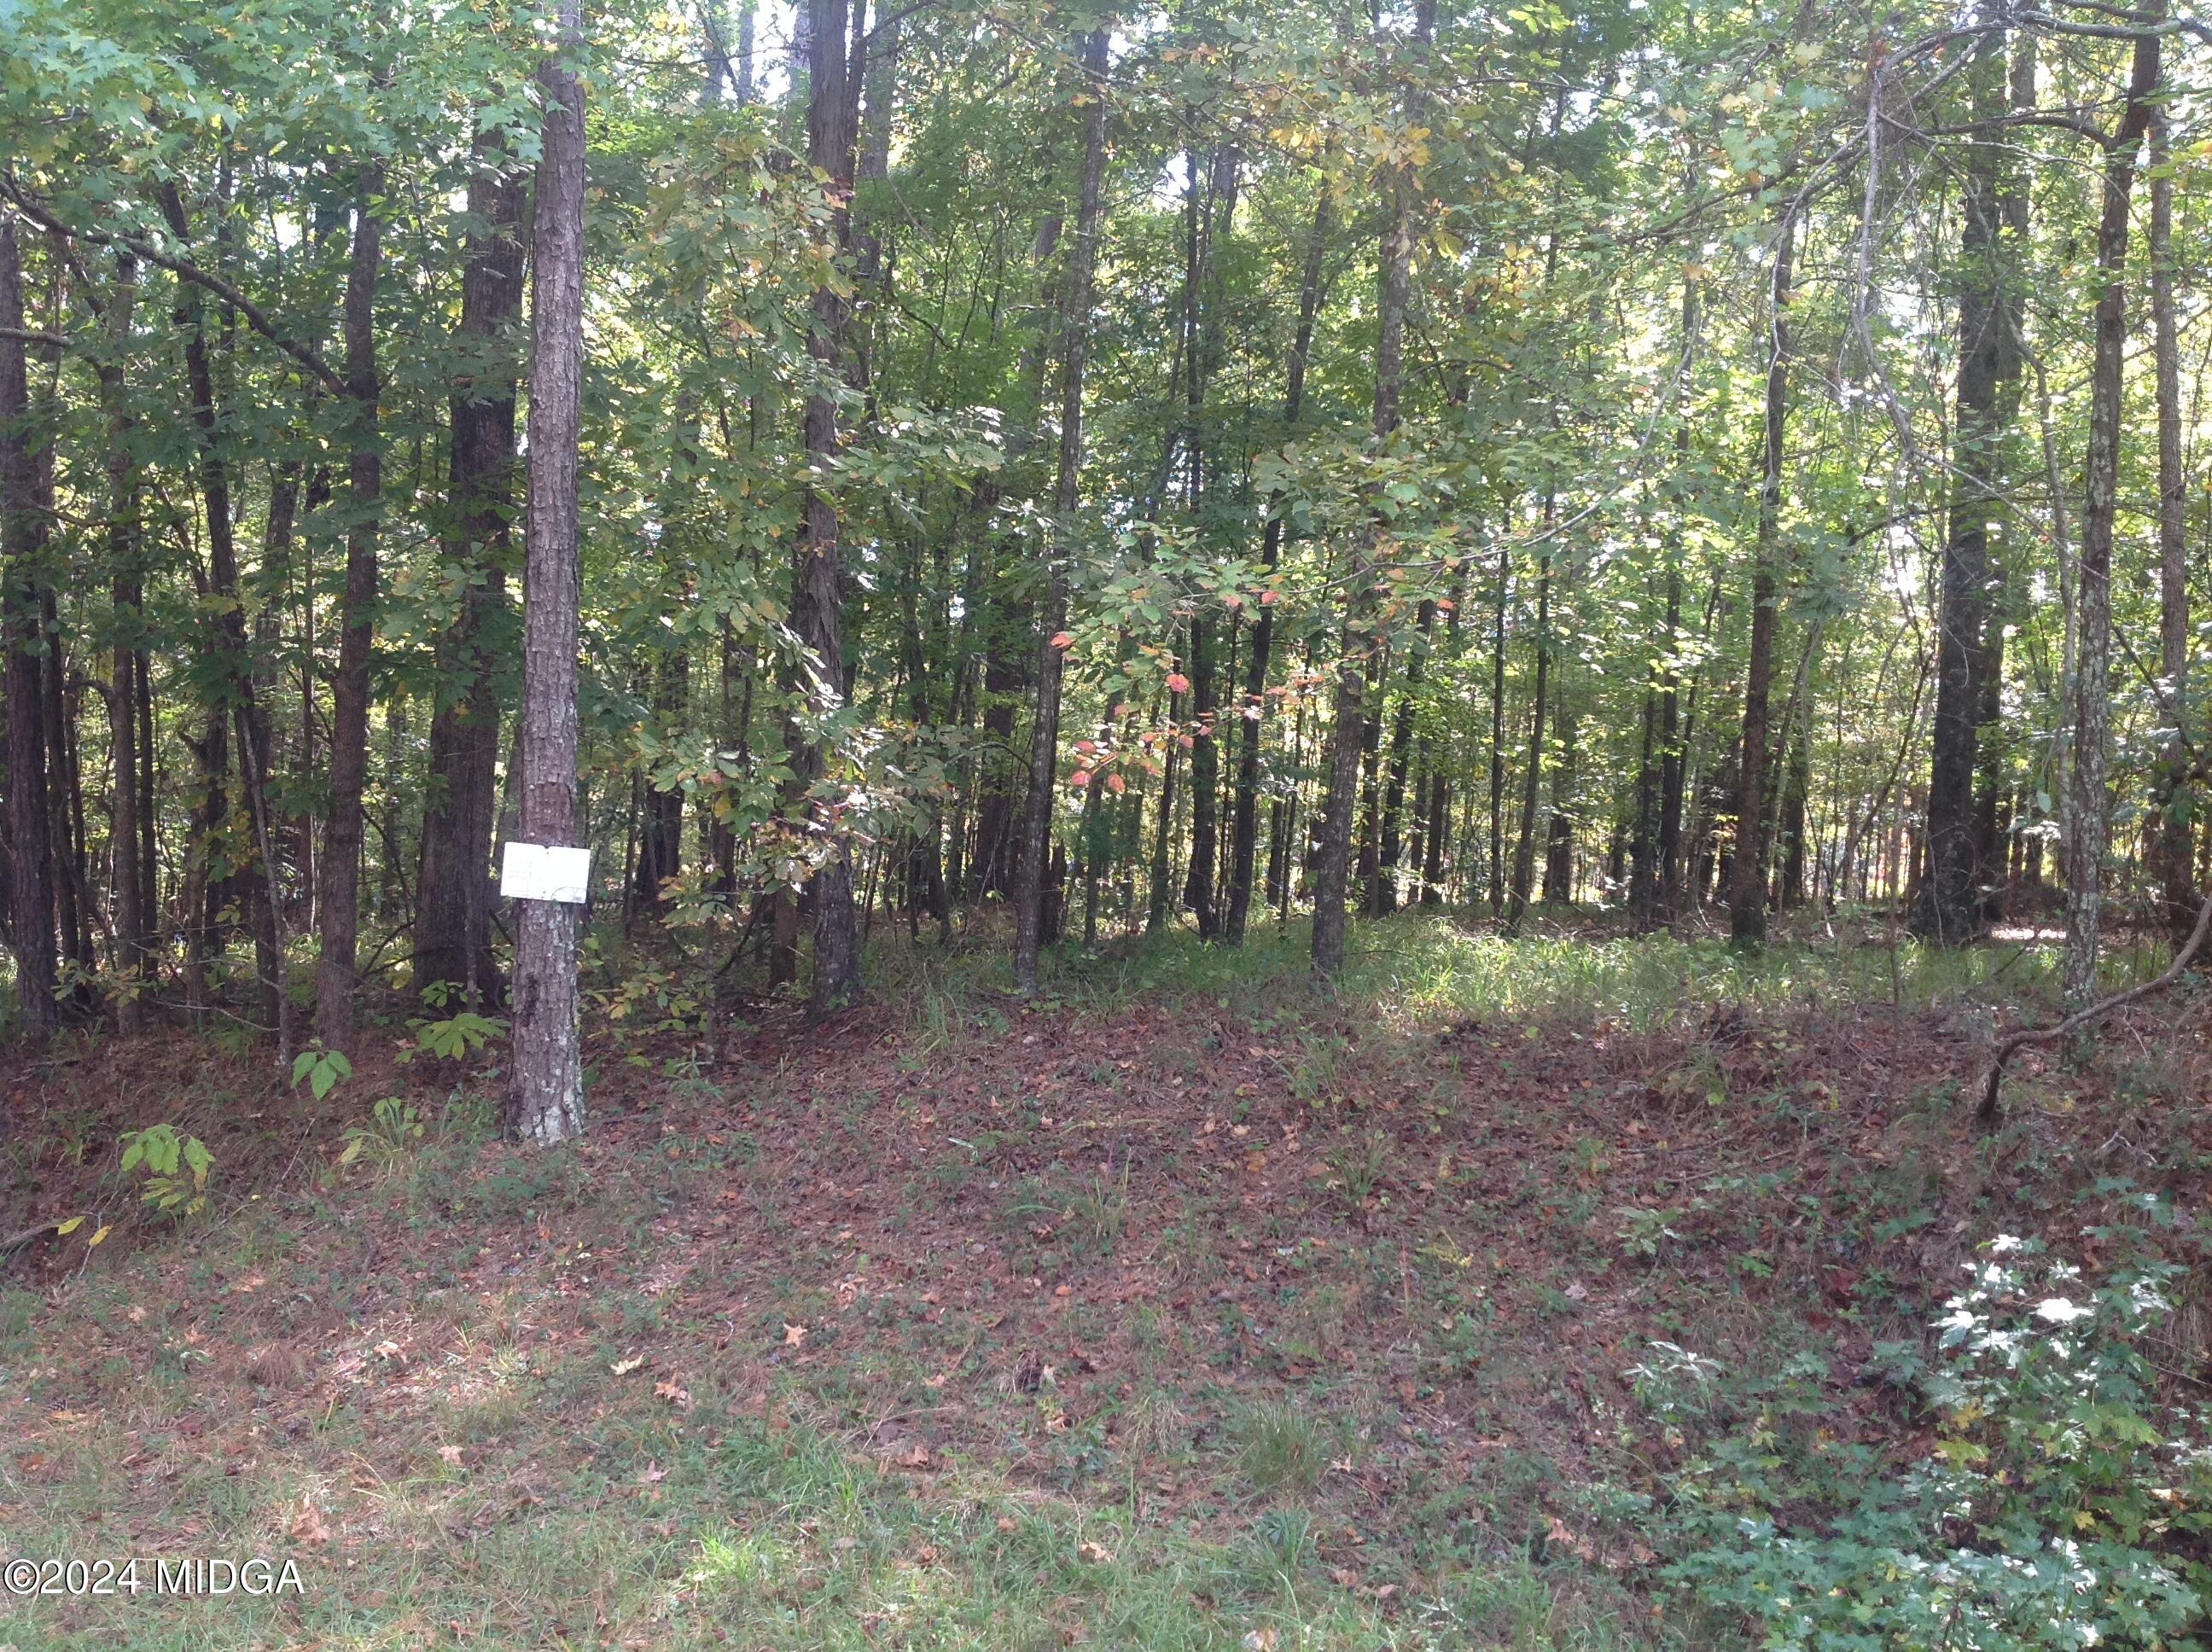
1673 759
1244 827
1560 839
547 1101
1044 740
1369 858
1524 842
2175 819
232 686
2088 825
1747 869
23 533
1401 747
1357 640
132 899
335 984
1498 733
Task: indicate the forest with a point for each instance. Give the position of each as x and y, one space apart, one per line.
1016 823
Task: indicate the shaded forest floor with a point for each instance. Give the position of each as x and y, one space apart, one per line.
1188 1305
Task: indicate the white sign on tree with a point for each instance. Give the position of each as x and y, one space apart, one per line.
546 871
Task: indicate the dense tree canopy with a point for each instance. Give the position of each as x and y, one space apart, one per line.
1136 467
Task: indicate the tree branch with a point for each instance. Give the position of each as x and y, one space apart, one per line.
1987 1111
184 270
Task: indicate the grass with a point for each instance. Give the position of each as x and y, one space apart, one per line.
1196 1305
1414 967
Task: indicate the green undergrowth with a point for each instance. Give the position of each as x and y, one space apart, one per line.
1418 967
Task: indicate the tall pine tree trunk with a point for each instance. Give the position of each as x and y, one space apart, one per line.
546 1103
453 891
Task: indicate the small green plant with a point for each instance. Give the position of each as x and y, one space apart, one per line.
176 1167
1641 1229
2061 1504
1358 1164
1279 1449
1317 1079
1096 1214
321 1069
459 1034
393 1129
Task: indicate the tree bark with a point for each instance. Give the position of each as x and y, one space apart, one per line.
1951 906
1524 842
1044 740
23 534
2175 818
454 887
1357 639
1747 867
1497 731
546 1103
817 596
133 960
2088 825
1673 758
339 896
1401 749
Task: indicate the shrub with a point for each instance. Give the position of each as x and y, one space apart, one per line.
2056 1505
176 1168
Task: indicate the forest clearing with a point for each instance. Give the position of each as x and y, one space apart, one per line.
1009 823
1185 1304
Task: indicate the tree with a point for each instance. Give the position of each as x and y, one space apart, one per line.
1075 342
1748 884
2175 815
1244 831
546 1103
818 597
1951 906
1357 640
452 938
339 897
30 911
2087 821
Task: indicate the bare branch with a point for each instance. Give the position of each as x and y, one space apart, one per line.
184 269
1987 1111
